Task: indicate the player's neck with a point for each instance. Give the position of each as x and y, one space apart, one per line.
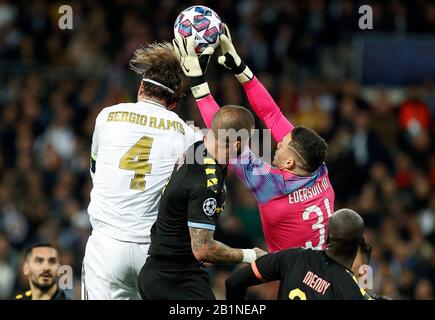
299 172
152 99
38 294
344 261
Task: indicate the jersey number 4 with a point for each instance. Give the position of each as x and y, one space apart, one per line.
136 159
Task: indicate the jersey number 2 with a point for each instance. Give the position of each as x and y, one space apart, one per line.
297 294
136 159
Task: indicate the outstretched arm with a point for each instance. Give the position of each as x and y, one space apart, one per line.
194 68
206 249
266 268
201 227
266 109
207 107
260 100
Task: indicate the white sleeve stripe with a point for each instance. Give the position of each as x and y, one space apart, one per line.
201 225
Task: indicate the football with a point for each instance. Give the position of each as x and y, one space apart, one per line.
202 23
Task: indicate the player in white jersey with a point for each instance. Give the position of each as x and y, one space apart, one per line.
134 149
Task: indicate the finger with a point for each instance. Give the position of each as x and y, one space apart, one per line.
208 51
221 60
179 40
203 62
224 40
227 31
190 46
185 50
176 48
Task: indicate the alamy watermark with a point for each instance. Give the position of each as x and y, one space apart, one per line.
365 277
365 22
65 21
242 147
66 278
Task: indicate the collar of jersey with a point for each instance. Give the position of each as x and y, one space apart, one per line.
206 154
154 103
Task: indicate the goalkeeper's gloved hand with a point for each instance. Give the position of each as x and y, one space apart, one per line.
231 60
193 66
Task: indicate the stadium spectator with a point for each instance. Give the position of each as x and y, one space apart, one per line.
41 267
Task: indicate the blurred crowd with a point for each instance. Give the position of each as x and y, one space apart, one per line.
54 82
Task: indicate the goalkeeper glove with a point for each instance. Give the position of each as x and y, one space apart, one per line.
193 66
231 60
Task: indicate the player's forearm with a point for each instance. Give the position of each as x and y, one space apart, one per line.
267 109
217 252
204 100
259 98
209 250
206 249
207 107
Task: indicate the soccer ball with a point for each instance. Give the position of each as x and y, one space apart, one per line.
201 22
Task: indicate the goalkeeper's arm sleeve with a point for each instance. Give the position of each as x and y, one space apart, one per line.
207 107
266 109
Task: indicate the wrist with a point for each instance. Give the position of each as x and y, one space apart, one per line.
249 255
244 75
199 87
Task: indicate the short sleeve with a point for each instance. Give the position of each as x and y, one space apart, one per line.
202 206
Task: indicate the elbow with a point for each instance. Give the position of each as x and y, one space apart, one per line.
200 254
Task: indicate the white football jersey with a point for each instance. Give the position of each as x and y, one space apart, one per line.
135 147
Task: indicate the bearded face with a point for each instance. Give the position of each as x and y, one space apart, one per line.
42 267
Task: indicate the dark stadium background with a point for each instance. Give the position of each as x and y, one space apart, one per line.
370 93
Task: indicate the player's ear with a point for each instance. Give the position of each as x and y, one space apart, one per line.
140 91
26 268
290 164
237 146
363 270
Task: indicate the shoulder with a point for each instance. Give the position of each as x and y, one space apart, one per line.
288 255
24 296
297 253
298 250
115 107
107 110
204 170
